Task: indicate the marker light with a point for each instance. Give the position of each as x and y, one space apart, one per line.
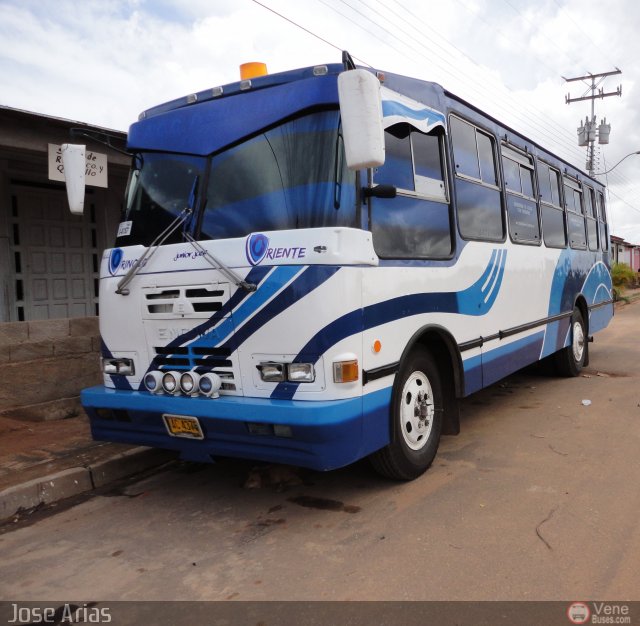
153 382
377 346
346 371
209 385
189 383
253 69
171 382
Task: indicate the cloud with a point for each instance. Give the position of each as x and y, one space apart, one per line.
105 62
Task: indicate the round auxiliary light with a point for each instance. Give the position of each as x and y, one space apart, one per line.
209 384
153 382
171 382
189 382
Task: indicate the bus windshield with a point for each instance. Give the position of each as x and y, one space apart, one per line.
290 176
160 187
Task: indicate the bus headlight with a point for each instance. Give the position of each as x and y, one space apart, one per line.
272 372
301 372
121 366
153 382
171 382
209 385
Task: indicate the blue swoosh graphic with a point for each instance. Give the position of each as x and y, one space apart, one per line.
476 300
576 272
280 276
256 276
391 107
308 279
311 278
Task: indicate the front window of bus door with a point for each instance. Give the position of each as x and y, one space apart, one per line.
415 224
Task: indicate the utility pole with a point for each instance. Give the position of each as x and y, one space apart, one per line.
587 131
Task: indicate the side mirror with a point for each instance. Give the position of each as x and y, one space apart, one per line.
73 160
361 112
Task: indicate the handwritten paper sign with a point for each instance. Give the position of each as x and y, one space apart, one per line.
95 171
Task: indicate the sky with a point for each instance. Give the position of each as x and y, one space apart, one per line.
103 62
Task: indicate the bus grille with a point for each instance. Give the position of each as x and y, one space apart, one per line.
200 359
185 301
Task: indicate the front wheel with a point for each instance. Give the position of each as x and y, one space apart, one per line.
571 360
416 419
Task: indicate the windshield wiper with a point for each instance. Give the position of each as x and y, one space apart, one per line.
150 251
180 219
235 278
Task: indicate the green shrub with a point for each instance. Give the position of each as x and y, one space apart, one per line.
621 276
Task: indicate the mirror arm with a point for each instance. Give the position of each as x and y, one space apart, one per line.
380 191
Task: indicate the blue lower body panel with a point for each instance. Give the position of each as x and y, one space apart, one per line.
321 435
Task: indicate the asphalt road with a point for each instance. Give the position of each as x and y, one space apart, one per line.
536 499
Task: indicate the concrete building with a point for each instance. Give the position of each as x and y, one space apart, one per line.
49 262
625 252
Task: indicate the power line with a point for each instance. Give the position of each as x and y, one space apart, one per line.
478 89
541 130
551 41
306 30
595 45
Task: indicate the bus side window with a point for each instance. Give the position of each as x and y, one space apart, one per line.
603 229
553 218
522 208
592 217
575 215
478 197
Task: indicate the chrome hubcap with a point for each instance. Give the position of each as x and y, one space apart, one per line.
416 411
578 342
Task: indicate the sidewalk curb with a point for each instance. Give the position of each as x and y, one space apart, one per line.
78 480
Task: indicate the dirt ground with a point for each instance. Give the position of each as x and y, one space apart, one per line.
536 499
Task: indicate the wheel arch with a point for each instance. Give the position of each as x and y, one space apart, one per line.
582 306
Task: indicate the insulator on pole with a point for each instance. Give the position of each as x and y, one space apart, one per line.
604 130
583 140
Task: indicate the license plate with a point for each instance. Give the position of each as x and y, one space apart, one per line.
183 426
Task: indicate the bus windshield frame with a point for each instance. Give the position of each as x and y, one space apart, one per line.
291 176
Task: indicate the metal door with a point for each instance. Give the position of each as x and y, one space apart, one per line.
55 256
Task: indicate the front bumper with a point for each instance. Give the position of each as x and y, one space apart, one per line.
324 435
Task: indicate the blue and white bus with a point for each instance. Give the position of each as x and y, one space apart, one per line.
314 266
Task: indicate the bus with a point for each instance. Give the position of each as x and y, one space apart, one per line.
315 266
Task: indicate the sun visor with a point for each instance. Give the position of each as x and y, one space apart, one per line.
205 127
398 109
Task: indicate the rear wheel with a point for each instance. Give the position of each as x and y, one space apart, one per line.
571 360
416 419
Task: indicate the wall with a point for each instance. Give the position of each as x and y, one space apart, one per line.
44 364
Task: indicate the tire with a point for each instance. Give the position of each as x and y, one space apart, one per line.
416 413
571 360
